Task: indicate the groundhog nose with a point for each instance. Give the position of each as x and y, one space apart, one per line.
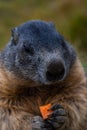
55 71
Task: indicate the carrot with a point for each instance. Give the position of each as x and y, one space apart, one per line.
45 110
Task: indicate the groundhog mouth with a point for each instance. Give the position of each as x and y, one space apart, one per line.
46 84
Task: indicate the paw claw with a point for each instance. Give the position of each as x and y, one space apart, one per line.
57 106
59 112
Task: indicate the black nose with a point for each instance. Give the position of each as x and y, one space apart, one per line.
55 71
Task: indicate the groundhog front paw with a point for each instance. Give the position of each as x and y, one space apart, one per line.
58 117
39 124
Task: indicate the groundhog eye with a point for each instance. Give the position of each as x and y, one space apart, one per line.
29 49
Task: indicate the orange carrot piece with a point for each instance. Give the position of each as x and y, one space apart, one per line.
45 111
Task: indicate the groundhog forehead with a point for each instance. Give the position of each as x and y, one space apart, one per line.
40 34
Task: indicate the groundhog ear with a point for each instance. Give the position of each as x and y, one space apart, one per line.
14 34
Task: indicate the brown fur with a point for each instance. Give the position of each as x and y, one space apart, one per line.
19 102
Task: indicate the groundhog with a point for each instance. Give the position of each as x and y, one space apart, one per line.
37 67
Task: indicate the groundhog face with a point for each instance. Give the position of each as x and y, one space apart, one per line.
39 53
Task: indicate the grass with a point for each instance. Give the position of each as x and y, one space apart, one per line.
85 67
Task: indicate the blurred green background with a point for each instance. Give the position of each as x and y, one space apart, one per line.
69 16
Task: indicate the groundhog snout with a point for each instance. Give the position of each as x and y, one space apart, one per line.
55 71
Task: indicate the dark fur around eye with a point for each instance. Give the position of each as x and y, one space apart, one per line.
29 49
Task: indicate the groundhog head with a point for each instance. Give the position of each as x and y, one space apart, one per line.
39 53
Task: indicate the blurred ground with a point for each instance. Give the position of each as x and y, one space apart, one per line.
70 17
